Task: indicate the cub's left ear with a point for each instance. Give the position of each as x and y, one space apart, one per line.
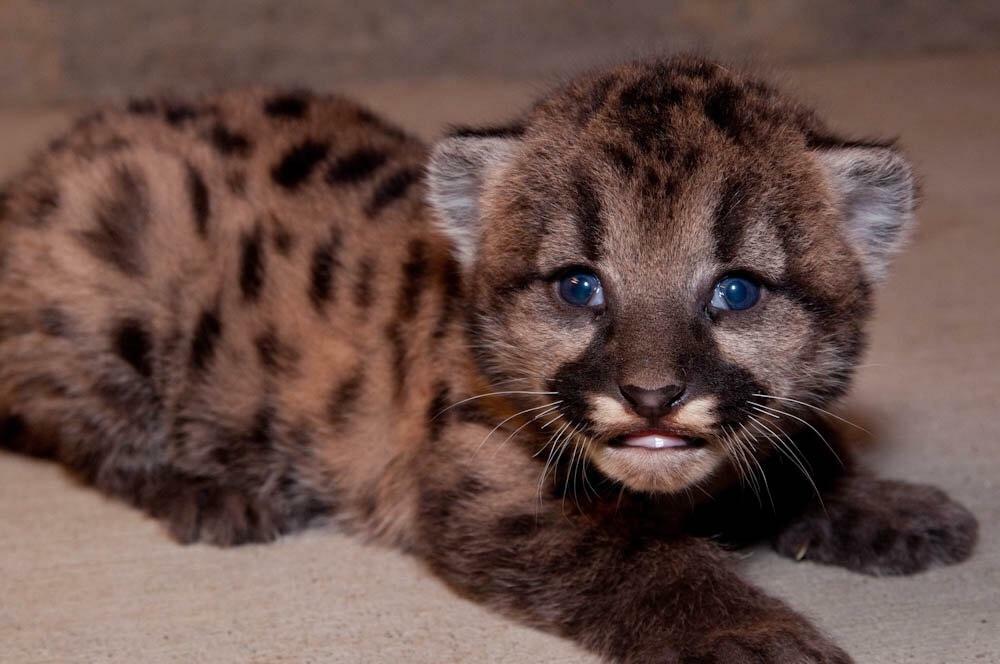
876 193
459 170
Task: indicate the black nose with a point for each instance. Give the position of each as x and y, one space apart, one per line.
655 403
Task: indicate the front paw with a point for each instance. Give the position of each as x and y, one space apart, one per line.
882 527
785 642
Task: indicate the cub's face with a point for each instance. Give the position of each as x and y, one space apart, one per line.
673 259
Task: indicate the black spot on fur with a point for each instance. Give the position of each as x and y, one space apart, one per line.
588 218
141 106
364 283
298 163
275 355
120 220
355 167
723 107
133 343
595 99
515 130
288 105
206 338
436 415
414 280
230 143
325 261
200 205
391 189
344 397
253 266
178 114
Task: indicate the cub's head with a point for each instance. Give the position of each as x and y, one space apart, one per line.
675 257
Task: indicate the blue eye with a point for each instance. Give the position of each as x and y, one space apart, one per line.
581 289
735 294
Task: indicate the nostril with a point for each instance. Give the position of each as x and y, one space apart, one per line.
652 402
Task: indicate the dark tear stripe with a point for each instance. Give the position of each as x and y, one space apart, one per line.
415 271
206 337
391 189
727 222
133 343
698 355
363 292
344 397
325 261
120 219
298 163
230 143
436 416
253 266
588 218
355 167
287 105
590 371
200 205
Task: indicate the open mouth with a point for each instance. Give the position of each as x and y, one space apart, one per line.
656 439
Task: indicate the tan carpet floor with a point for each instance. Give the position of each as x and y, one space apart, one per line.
84 579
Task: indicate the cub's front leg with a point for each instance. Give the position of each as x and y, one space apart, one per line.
881 527
623 590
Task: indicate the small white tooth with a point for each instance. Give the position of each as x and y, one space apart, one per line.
655 442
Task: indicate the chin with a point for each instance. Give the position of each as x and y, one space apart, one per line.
659 469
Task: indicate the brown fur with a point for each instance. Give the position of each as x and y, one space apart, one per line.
241 315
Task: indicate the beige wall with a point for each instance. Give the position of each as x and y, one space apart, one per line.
80 50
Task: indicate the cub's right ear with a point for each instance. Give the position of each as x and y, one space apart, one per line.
460 166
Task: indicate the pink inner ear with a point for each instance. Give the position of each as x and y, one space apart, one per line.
876 193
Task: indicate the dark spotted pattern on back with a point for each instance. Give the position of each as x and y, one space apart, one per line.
355 167
198 193
325 261
133 343
178 114
391 189
120 220
253 266
364 282
206 338
297 165
230 143
288 105
345 396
